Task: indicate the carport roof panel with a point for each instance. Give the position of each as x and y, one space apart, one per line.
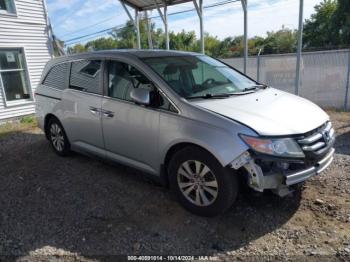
143 5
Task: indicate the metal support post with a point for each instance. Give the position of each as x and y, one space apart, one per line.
258 66
199 9
245 38
149 31
164 17
300 45
166 27
137 21
134 21
347 87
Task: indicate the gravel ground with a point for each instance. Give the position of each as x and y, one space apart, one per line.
78 208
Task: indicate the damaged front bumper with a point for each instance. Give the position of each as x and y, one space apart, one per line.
279 180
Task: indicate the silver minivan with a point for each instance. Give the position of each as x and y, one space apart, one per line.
197 124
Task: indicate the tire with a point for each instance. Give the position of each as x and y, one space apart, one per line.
210 190
58 137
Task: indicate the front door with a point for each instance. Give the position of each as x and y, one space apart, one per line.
130 131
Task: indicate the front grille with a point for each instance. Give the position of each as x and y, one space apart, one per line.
317 143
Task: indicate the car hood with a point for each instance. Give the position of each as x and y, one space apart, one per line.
270 112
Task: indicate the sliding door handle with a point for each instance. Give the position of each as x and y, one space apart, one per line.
108 114
94 110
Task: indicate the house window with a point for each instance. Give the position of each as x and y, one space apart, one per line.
7 7
13 75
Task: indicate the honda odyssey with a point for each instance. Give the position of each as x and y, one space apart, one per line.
196 123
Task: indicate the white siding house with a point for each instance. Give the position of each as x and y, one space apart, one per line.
25 48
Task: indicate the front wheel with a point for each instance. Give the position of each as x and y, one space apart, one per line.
201 184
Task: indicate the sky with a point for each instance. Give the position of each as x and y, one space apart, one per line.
75 18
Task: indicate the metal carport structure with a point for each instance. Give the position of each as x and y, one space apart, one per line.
146 5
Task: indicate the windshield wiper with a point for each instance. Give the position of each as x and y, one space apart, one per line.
261 86
255 87
210 96
249 89
225 95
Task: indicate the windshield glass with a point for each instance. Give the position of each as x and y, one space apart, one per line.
196 76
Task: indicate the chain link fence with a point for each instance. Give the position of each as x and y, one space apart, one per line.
324 75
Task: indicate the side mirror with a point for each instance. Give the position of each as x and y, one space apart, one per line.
141 96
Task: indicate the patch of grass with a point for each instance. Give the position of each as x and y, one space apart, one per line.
28 120
23 124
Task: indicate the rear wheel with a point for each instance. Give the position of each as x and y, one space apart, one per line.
201 184
58 138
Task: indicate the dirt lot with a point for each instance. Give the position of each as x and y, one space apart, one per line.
83 208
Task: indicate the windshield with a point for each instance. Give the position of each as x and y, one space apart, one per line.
199 76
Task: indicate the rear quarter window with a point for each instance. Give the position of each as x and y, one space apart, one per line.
57 76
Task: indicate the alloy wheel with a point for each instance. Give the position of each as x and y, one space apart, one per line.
57 137
197 183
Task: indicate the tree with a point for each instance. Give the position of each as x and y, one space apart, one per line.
78 48
126 36
185 41
212 45
281 41
319 30
102 44
341 21
232 47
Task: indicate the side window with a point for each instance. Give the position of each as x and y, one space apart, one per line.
123 78
56 77
7 7
85 76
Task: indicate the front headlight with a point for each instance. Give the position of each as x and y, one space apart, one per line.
280 147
